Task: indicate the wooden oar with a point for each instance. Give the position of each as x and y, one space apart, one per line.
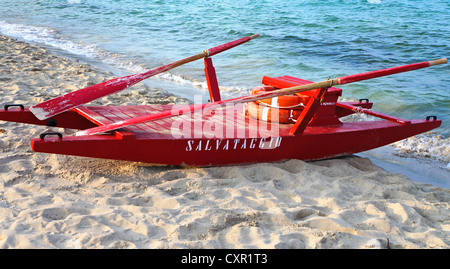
74 99
271 94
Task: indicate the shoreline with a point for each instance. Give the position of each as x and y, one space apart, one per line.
55 201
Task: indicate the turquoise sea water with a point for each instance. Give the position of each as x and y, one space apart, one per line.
309 39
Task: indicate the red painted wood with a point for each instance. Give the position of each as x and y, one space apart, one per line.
69 119
310 110
211 79
315 143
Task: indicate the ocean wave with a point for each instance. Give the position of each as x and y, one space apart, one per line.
47 36
52 38
430 145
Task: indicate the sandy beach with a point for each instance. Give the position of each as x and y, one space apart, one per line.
54 201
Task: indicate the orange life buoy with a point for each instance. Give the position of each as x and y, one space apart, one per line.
267 113
295 101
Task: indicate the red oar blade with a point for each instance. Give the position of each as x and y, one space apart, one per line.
74 99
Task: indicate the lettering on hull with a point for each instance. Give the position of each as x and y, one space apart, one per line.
233 144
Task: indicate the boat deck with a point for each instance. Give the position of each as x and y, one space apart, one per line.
229 121
226 122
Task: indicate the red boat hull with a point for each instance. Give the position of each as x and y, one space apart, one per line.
315 143
223 136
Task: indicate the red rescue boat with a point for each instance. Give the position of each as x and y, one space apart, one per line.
225 132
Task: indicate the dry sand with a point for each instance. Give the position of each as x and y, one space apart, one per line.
54 201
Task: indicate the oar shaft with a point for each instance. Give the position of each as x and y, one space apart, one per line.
232 44
203 54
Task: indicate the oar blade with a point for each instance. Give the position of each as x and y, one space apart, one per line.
55 106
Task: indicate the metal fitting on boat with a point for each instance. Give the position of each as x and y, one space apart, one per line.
42 136
431 117
12 105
